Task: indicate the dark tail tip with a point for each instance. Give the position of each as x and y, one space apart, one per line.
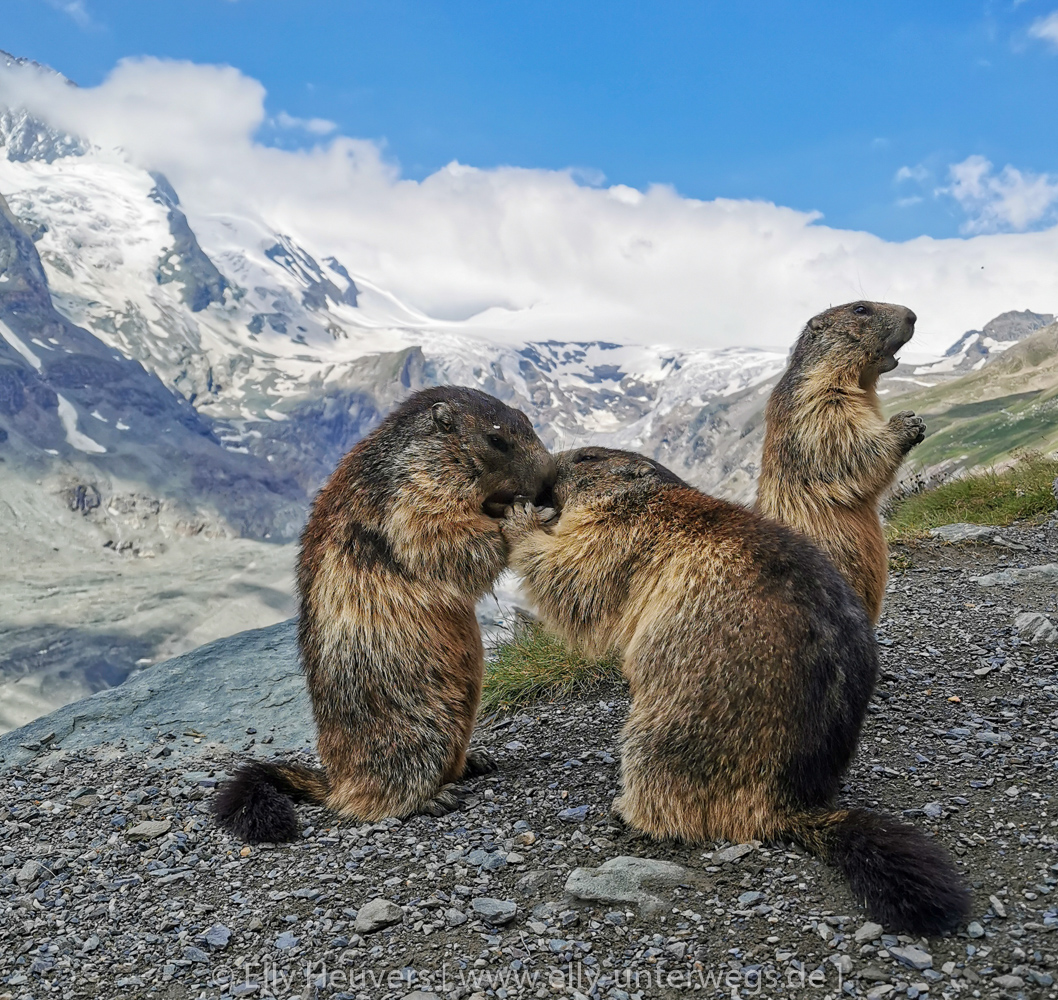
250 807
907 880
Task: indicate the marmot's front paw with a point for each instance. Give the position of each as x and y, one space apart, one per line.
909 428
522 517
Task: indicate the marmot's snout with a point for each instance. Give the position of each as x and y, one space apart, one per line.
531 477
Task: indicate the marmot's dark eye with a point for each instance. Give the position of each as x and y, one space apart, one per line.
586 456
498 443
861 310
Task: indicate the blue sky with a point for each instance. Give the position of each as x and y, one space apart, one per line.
814 106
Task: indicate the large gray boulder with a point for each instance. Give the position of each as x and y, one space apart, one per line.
199 705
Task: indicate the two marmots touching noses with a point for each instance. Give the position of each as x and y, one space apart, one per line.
746 635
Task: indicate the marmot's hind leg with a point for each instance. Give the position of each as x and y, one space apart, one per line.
478 762
445 801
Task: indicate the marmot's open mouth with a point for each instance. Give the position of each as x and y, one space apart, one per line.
496 503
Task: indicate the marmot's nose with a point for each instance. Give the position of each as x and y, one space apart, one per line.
910 319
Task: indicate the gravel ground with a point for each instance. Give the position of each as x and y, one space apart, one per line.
114 879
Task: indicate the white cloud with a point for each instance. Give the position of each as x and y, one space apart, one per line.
76 10
317 126
1008 200
919 174
532 254
1046 28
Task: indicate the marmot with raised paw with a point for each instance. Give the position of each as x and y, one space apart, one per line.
829 454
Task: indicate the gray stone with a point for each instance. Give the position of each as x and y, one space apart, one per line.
1010 577
868 932
532 881
454 917
217 936
149 829
749 898
376 915
627 880
193 954
495 911
576 814
731 854
912 957
963 532
997 906
286 940
934 810
421 995
29 873
1036 627
1009 982
843 963
975 930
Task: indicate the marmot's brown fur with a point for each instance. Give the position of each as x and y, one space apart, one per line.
829 454
750 662
401 542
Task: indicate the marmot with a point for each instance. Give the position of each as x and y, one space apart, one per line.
402 540
829 454
750 662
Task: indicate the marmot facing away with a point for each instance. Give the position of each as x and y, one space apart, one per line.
750 662
829 455
401 542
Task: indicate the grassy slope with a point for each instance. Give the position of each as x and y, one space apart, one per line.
1021 491
984 417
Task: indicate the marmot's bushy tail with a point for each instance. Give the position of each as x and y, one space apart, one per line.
907 881
257 803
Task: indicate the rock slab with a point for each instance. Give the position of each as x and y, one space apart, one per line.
628 880
215 693
1011 577
376 915
1036 627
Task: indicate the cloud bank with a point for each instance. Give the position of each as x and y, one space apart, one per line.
534 254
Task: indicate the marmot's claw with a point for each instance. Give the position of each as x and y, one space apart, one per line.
445 801
478 762
911 429
546 515
519 519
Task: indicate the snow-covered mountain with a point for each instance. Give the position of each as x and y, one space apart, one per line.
287 357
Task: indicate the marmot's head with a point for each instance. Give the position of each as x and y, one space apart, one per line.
859 340
594 473
463 440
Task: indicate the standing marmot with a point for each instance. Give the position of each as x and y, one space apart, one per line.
401 542
829 455
750 661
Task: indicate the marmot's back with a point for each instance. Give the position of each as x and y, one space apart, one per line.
750 661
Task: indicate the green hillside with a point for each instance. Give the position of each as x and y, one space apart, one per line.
1010 404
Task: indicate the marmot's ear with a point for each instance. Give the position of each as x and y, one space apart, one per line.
815 324
642 470
443 416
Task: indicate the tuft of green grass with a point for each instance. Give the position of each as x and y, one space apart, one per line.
535 665
999 498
